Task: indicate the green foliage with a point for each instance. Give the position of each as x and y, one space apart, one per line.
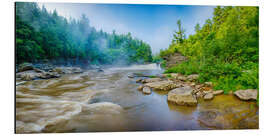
225 50
42 35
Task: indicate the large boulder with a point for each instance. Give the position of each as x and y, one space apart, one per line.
162 85
182 96
249 94
149 80
25 67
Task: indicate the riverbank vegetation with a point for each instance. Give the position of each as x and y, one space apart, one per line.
47 36
225 50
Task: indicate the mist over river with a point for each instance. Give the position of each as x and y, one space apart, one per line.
110 101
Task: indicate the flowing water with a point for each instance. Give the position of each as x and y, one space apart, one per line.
109 101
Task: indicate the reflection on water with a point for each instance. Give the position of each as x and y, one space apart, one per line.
110 101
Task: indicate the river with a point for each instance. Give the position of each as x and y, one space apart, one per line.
95 101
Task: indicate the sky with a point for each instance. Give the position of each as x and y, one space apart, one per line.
154 24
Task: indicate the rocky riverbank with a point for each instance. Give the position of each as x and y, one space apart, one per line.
28 72
185 90
109 101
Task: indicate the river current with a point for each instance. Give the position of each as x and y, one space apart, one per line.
95 101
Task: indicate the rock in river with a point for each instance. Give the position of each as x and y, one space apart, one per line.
140 88
218 92
147 90
182 96
249 94
149 80
208 96
162 85
25 67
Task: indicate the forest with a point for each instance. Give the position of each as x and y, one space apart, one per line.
225 50
46 36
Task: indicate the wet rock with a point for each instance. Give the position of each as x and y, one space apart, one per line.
199 94
48 75
28 75
198 86
249 94
140 88
208 96
138 80
162 85
25 67
182 96
210 84
218 92
147 90
59 70
149 80
44 67
38 70
130 76
193 77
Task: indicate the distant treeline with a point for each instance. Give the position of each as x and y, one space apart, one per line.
225 50
42 35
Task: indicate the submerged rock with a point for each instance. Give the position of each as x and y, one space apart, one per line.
212 118
249 94
162 85
147 90
182 96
